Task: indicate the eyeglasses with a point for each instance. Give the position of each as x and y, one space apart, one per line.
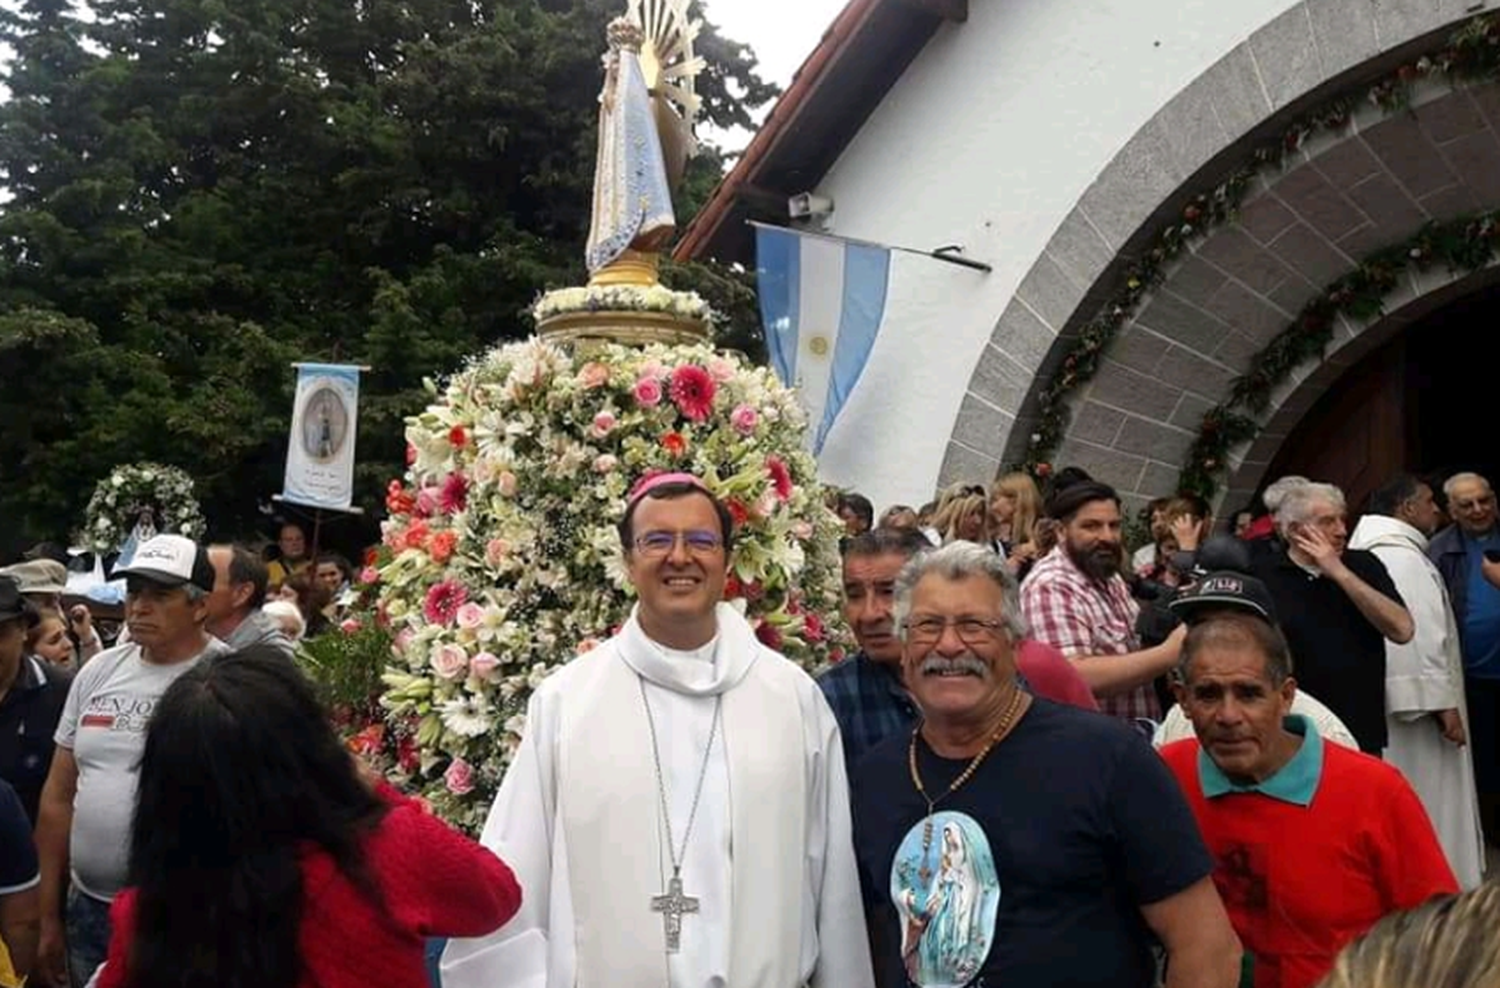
698 543
971 630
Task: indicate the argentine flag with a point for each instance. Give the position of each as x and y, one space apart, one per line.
822 301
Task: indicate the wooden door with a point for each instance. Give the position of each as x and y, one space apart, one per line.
1356 434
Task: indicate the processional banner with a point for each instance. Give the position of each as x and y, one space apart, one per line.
320 450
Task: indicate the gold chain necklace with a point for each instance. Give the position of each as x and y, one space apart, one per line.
1007 719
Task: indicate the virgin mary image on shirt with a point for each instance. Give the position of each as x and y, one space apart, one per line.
947 895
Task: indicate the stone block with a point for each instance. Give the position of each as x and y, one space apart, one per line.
1363 241
1235 352
1287 56
1096 423
1245 312
1049 292
1293 294
1450 203
1237 94
1000 381
1345 33
1159 480
1195 280
964 465
1176 320
1130 391
1022 336
1348 163
1140 177
1138 348
1476 160
1185 370
1265 218
1190 411
1308 194
1400 21
1079 248
1121 470
1450 117
1233 251
1305 250
1394 213
1487 99
1153 439
1407 154
982 427
1192 129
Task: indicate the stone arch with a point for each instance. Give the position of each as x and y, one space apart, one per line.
1341 195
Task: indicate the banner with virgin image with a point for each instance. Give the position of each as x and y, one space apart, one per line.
320 450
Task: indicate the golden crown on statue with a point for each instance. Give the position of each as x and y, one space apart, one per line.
646 115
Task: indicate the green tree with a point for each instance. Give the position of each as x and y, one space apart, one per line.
204 191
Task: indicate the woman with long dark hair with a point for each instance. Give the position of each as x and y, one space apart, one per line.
261 857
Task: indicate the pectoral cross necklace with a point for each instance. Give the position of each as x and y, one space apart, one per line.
673 904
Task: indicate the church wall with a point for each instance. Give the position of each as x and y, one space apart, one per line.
989 140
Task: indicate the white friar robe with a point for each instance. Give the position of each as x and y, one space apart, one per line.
578 819
1422 677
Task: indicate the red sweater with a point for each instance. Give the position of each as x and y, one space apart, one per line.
435 882
1052 676
1301 882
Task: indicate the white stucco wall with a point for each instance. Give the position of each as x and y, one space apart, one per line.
989 140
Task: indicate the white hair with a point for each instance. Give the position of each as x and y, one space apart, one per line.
1463 478
960 560
1296 505
1277 492
288 615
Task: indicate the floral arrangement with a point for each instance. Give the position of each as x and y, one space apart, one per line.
622 298
1471 54
159 495
501 561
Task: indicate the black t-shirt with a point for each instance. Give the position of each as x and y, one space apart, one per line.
28 719
1037 866
1338 656
18 864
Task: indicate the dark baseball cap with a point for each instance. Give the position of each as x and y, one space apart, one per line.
1224 590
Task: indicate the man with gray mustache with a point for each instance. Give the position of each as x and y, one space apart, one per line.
1010 840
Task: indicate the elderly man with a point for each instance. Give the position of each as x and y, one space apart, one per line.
234 608
677 812
1313 842
1338 608
1076 601
866 692
83 829
1460 554
1013 841
1424 682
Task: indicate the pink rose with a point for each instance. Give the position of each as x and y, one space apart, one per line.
350 625
652 369
429 500
450 661
369 575
744 419
470 616
802 530
604 424
593 375
721 369
459 778
605 463
648 392
495 552
403 641
507 483
483 665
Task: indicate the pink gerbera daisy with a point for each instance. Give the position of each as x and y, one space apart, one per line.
443 602
455 494
693 390
781 477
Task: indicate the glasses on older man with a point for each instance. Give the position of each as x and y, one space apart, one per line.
970 630
698 543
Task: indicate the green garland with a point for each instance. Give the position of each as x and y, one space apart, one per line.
1467 244
1471 53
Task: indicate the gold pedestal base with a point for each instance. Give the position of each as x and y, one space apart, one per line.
632 268
627 328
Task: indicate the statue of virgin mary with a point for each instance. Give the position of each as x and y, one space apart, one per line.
632 194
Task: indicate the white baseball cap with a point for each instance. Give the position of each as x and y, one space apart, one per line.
172 561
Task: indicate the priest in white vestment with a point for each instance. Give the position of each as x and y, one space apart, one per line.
677 813
1424 693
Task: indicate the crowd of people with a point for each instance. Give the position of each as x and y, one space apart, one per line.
1264 758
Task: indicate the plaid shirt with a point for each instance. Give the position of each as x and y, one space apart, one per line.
1079 616
869 703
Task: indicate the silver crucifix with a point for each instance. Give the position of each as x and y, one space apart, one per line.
673 906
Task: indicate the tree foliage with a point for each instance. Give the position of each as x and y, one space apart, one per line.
204 191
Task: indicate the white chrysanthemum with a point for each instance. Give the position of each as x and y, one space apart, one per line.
469 716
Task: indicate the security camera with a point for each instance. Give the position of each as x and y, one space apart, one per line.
808 205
